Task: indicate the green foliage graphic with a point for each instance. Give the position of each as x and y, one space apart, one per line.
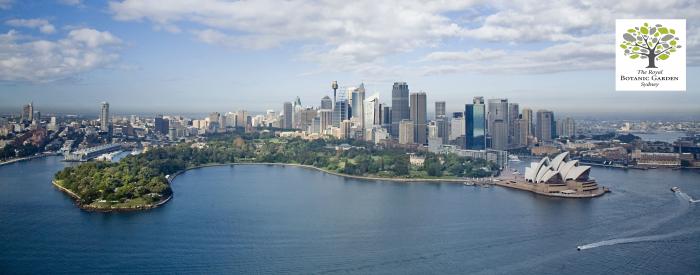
653 43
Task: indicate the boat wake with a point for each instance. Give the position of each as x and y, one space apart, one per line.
651 238
686 196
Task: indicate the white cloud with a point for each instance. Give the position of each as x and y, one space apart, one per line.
42 24
25 59
71 2
360 36
6 4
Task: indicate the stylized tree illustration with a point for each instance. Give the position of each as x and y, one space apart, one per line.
652 43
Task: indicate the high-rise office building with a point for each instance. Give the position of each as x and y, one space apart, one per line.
341 110
406 132
372 109
104 117
568 127
28 112
442 129
475 118
497 123
325 119
386 117
545 127
527 116
523 131
399 106
457 126
419 116
241 118
326 103
358 110
287 110
513 125
161 125
345 129
439 109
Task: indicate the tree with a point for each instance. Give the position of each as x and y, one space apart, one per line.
653 43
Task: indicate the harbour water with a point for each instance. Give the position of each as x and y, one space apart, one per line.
272 219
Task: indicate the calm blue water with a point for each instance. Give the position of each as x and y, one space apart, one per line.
268 219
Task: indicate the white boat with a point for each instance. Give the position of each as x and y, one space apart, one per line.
513 158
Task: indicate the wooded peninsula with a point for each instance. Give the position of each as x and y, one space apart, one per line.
141 181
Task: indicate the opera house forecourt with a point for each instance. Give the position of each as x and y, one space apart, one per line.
559 177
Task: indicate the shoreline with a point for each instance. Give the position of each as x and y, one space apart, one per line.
171 178
16 160
89 208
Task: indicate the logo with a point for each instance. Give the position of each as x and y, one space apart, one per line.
650 55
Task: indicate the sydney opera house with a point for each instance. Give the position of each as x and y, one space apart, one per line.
560 175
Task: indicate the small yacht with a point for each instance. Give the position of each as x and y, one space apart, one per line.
675 189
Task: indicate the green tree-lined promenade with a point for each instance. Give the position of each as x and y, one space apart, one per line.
140 180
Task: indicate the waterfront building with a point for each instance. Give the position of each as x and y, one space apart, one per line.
439 109
497 123
545 128
287 110
104 117
560 175
475 133
419 116
406 132
399 106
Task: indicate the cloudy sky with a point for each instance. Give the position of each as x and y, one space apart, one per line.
217 55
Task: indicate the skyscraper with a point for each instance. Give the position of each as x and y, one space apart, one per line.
568 127
358 110
545 127
527 116
497 123
439 109
513 125
326 103
457 126
340 110
419 117
161 125
372 110
475 116
399 106
287 110
406 132
326 119
386 117
28 112
104 117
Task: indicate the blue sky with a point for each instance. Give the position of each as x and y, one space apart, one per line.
214 55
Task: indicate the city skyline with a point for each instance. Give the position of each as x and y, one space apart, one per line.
141 58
